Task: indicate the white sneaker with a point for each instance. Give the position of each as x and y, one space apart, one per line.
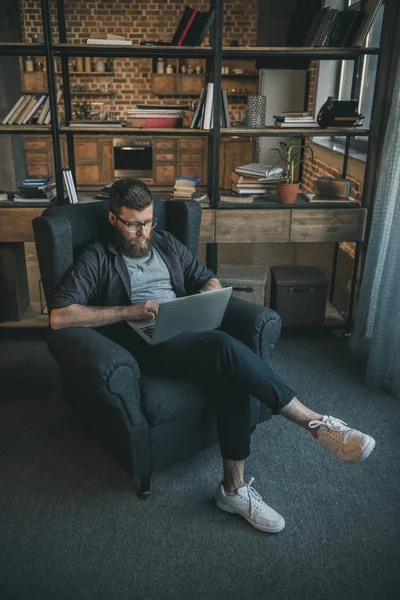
249 504
348 444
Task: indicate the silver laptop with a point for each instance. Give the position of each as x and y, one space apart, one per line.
200 312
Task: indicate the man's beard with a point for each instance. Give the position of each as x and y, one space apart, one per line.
131 248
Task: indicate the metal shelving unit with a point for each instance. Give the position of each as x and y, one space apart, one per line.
214 56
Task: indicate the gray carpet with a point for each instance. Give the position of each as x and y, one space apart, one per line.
72 527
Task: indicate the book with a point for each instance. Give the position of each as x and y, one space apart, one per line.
293 119
187 180
204 27
255 191
14 109
187 27
291 113
44 111
238 179
314 26
181 25
208 106
103 42
19 110
321 199
27 107
107 36
47 119
193 32
232 199
197 113
370 8
297 125
260 170
34 109
225 107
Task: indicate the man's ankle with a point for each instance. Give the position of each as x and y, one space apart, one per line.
231 488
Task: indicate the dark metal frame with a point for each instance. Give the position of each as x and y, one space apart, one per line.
214 56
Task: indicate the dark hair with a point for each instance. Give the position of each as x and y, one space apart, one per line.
131 193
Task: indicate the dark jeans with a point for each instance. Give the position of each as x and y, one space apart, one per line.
229 366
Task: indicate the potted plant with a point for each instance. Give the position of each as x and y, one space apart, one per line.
291 157
83 110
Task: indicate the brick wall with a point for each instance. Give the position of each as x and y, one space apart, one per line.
139 21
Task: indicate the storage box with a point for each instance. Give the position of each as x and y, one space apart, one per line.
249 282
298 295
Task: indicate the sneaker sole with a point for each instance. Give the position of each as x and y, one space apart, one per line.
366 452
272 529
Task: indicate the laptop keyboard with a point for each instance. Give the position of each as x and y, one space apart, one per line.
148 330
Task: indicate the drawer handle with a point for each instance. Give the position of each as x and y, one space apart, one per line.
247 289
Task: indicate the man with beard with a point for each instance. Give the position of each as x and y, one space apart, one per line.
126 278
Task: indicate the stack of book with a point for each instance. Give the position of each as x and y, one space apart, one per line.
104 193
203 115
33 109
109 39
185 188
36 190
148 117
252 181
293 120
330 27
255 179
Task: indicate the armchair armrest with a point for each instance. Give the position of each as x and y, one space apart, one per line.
90 361
256 326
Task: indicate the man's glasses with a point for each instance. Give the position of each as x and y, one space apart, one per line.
133 226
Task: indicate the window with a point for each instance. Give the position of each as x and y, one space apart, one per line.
363 86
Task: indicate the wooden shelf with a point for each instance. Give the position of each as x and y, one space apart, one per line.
297 53
176 131
134 51
280 132
21 49
93 93
89 73
39 129
32 318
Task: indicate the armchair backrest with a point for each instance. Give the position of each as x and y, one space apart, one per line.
62 232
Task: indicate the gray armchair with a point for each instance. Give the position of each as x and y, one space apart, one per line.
146 423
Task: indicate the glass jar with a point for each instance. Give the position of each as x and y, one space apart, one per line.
29 64
160 67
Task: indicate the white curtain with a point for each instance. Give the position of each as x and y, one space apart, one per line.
376 334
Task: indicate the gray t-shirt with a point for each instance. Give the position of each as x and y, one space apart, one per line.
150 278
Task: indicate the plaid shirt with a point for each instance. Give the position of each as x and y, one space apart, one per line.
99 276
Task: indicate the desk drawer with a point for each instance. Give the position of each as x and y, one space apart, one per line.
164 144
191 145
245 226
328 225
191 157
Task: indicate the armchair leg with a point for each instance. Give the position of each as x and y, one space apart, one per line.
145 487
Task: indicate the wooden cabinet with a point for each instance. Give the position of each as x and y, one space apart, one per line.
177 84
234 152
189 158
94 162
93 159
328 225
38 156
34 82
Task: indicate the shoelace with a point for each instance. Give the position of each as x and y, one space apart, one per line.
256 501
338 429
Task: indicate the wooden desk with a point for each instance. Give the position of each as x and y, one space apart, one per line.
15 230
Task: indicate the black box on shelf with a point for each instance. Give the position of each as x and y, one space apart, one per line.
298 295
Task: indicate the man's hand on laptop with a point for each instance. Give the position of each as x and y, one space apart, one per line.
143 310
